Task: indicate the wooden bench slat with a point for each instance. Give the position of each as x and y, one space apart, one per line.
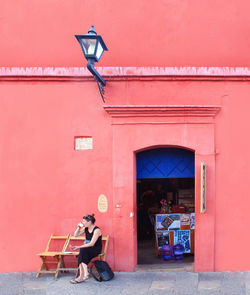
48 254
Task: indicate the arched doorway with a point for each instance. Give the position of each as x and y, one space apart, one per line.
134 129
165 207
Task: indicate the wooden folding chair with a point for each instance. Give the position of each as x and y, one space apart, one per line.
51 255
69 255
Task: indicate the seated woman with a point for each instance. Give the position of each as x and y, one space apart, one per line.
91 247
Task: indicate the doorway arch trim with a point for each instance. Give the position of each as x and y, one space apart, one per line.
135 132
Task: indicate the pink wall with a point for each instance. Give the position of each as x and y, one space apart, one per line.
46 186
169 33
232 176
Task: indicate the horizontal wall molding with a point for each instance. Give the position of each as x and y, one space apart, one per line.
125 73
119 111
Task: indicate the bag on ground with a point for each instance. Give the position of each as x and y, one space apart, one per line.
101 271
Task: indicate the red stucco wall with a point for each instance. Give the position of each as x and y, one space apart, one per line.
46 186
137 32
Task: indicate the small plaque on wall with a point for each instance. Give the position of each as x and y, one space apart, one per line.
83 143
203 187
102 203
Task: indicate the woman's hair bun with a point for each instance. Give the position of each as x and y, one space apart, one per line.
90 218
93 214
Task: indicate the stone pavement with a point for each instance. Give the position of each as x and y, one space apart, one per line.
179 283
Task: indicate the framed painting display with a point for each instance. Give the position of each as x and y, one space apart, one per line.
162 238
176 221
192 220
183 237
185 221
175 228
167 222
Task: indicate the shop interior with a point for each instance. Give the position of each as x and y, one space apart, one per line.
165 216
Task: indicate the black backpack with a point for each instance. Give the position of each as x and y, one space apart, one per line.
101 271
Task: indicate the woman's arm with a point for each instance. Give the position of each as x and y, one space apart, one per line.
96 235
79 231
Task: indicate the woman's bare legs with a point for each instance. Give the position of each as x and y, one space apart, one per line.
83 275
85 270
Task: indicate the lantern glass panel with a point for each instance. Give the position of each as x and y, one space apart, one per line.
89 45
99 50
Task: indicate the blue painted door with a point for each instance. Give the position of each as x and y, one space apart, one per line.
165 163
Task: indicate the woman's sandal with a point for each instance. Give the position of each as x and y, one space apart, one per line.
85 278
78 282
75 281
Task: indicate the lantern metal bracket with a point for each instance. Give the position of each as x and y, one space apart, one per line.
101 89
98 78
93 47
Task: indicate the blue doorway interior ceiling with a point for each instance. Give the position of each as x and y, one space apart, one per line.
165 163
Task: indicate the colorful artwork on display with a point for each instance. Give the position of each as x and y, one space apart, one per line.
176 224
167 222
183 237
185 219
162 238
192 220
159 218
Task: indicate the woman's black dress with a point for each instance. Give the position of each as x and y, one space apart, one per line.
86 254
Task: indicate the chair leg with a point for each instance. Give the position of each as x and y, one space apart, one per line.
63 264
59 260
41 267
38 274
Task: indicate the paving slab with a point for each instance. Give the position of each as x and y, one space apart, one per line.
246 275
209 287
211 276
233 283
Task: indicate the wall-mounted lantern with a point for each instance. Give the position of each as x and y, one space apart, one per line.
93 47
